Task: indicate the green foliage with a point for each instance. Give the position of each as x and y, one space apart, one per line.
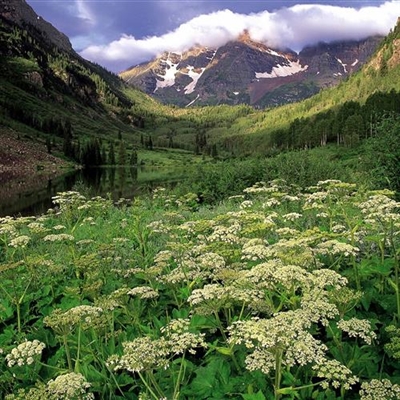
91 155
122 156
98 104
382 152
275 293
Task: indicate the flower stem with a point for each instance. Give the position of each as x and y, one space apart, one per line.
179 380
67 352
278 373
147 386
79 350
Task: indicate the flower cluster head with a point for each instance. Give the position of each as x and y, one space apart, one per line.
61 237
179 337
380 208
85 315
335 374
143 292
255 249
208 299
159 226
315 200
261 188
20 241
334 247
69 386
355 327
225 234
246 204
37 227
285 332
291 216
145 353
379 390
141 354
7 226
68 200
25 353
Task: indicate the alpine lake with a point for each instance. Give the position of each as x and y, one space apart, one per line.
32 195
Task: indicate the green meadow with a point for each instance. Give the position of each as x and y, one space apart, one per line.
277 292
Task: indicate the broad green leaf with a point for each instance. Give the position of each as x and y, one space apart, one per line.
254 396
226 351
376 267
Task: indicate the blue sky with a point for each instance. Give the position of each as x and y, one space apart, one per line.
122 33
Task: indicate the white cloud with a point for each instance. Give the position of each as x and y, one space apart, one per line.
293 27
83 11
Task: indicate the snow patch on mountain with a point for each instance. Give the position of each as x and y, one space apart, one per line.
187 105
273 52
343 65
168 79
195 76
294 67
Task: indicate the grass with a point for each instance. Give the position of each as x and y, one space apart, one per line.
273 293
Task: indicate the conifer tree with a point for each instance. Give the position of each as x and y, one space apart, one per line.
111 154
122 153
134 158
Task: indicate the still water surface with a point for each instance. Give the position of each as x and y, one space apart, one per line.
32 195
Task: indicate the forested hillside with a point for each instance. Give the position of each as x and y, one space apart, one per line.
54 96
85 113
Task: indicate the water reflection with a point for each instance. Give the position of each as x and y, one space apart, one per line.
32 195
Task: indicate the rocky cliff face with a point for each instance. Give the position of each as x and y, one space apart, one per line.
245 71
338 59
19 12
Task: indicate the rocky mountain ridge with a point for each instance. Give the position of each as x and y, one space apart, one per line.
246 71
21 13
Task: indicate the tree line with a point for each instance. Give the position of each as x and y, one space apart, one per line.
347 125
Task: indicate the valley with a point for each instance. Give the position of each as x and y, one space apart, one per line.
217 224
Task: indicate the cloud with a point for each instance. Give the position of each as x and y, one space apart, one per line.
293 27
84 12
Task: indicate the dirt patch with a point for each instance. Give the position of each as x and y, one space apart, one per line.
21 156
25 165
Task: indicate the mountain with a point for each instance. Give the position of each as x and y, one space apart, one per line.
19 12
48 92
245 71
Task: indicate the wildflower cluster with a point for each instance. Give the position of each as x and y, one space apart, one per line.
69 386
143 292
179 338
355 327
180 303
284 335
20 241
335 374
25 353
86 316
141 354
65 387
61 237
379 390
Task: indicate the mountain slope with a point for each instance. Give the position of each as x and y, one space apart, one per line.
49 92
19 12
245 71
351 108
320 119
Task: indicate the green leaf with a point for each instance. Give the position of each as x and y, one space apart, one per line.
6 310
376 267
226 351
254 396
212 381
289 391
